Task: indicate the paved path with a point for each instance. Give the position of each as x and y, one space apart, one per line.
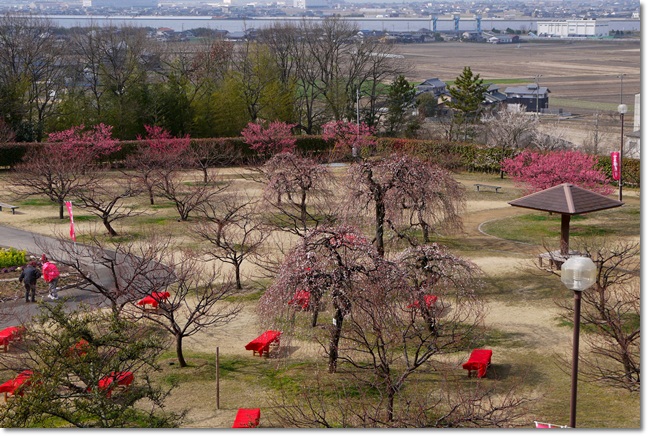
15 312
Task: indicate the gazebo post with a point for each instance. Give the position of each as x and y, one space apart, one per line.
564 234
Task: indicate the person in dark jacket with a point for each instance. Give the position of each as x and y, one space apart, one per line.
29 276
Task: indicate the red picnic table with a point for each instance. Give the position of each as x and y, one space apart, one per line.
263 342
154 299
10 334
479 361
247 418
430 300
301 299
80 349
115 378
15 385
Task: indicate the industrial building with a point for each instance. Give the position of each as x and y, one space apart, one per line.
124 3
573 29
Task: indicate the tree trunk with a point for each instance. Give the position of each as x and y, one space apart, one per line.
390 404
303 210
109 227
61 216
380 222
237 275
335 340
151 199
181 359
314 304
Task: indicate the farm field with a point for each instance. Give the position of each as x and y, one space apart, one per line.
582 76
522 321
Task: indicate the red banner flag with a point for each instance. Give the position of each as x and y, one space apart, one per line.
68 204
616 165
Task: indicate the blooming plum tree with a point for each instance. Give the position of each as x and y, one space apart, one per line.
275 138
96 141
349 136
538 171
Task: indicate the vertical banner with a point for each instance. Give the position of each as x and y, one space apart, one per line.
616 165
68 204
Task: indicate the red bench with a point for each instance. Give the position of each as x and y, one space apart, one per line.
430 300
479 361
262 343
10 334
153 300
120 378
16 385
247 418
301 299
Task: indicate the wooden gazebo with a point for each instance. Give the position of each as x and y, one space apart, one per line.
567 200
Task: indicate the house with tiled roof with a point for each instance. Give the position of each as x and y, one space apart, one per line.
533 97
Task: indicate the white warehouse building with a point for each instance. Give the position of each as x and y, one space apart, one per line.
573 29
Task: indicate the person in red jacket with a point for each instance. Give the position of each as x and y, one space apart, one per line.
50 275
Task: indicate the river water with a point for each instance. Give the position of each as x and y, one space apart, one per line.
180 23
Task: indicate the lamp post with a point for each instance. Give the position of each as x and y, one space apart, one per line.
537 81
620 76
578 273
622 108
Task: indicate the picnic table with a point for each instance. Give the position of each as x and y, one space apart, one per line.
16 385
301 299
154 299
262 343
479 361
10 334
247 418
430 300
115 378
80 349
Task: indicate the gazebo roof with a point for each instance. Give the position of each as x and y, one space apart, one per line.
566 199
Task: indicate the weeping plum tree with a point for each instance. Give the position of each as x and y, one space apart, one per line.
299 189
401 189
330 263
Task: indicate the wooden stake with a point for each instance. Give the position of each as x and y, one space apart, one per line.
217 380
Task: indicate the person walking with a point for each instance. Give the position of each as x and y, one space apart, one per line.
29 276
51 276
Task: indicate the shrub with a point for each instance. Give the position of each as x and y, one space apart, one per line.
12 257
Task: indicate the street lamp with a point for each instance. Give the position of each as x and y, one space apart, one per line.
622 108
537 81
578 273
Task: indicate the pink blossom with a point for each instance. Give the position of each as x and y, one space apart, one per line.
538 171
275 138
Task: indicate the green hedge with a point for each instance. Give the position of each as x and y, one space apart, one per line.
455 156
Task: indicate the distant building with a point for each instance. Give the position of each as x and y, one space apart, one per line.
535 98
124 3
504 39
573 29
311 4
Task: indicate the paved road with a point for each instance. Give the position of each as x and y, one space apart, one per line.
15 312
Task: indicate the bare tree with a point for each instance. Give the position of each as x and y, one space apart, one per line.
31 75
185 192
197 300
610 315
120 274
233 231
48 171
510 130
105 199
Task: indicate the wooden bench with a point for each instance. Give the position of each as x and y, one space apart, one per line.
247 418
263 342
9 206
479 360
10 334
481 185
